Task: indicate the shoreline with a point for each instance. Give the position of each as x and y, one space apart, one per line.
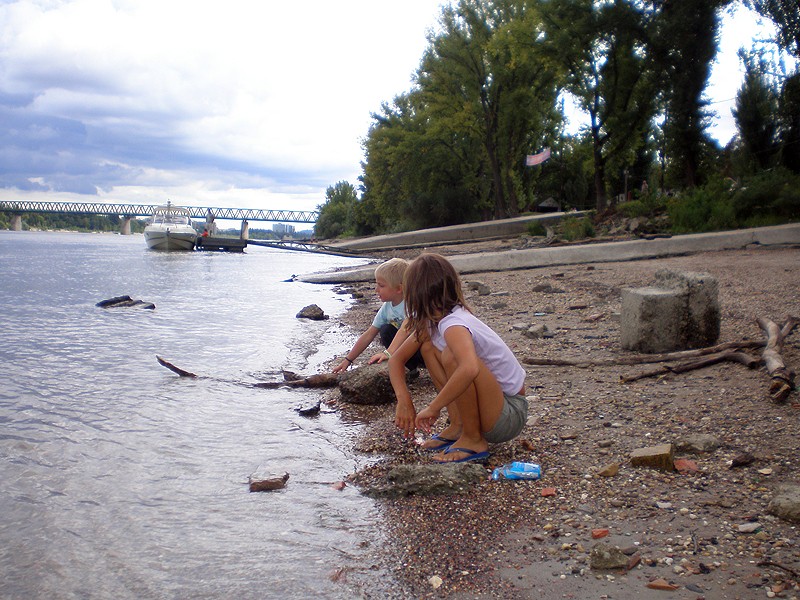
680 527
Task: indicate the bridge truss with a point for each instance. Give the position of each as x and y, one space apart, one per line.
145 210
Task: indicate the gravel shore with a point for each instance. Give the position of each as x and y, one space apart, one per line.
704 531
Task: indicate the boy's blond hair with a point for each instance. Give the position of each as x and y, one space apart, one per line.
392 271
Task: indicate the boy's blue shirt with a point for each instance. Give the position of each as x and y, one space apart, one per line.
388 314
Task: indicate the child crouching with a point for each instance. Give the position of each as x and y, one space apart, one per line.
477 377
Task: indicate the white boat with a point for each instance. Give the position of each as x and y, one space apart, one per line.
170 228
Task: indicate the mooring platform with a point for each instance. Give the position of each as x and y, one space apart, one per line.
221 244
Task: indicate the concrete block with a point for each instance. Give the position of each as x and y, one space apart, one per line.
701 324
651 319
656 457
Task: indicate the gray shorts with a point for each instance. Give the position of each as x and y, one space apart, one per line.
511 421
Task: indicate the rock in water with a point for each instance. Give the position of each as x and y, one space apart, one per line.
313 312
268 485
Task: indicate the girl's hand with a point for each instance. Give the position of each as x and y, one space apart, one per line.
377 358
404 417
426 418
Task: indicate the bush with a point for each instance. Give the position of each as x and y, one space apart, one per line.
707 208
769 198
648 204
536 229
573 228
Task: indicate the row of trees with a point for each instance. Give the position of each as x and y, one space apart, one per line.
490 89
70 222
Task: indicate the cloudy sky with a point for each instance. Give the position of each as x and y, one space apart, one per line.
241 103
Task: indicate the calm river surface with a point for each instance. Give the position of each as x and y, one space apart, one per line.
122 480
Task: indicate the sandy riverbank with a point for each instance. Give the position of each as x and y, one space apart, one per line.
508 540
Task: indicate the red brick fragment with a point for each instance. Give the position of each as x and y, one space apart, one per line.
599 533
684 465
662 584
551 491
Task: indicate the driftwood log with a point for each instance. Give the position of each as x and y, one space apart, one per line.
641 358
782 382
782 377
321 380
711 359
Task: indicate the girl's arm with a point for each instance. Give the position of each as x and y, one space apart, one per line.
398 340
361 344
459 342
405 413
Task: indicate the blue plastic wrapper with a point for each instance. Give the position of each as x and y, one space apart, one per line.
518 470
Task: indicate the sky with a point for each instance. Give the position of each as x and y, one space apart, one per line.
242 103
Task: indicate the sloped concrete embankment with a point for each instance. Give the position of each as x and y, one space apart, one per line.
780 235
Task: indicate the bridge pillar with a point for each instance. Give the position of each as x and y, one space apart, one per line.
245 231
125 226
16 222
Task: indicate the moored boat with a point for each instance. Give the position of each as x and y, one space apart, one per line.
170 228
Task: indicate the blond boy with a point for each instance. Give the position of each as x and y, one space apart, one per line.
388 320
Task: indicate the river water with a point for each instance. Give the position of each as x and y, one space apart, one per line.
123 480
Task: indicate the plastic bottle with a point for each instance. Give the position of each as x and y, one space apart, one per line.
518 470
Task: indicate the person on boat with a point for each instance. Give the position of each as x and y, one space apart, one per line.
389 319
205 233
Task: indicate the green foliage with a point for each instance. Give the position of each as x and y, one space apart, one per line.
755 112
706 208
451 149
536 229
768 198
337 215
70 222
647 204
574 228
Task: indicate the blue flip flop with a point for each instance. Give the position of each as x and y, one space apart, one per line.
471 456
445 444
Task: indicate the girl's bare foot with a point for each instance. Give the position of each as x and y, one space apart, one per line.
442 440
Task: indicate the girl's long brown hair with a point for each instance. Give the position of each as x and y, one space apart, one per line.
431 288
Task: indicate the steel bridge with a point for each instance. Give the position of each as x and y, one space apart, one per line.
129 211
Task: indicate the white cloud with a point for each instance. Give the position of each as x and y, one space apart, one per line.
249 103
278 95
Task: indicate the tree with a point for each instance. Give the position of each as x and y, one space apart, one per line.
604 48
785 14
336 215
452 150
790 133
487 73
685 43
755 113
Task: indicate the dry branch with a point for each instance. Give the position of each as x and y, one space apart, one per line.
782 382
321 380
706 361
642 358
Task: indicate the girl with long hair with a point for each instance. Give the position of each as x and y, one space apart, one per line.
477 377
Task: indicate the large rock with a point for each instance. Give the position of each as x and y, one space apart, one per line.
428 480
369 384
786 503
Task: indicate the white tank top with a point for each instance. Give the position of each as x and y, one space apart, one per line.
488 346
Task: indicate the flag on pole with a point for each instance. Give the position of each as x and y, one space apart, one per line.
536 159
